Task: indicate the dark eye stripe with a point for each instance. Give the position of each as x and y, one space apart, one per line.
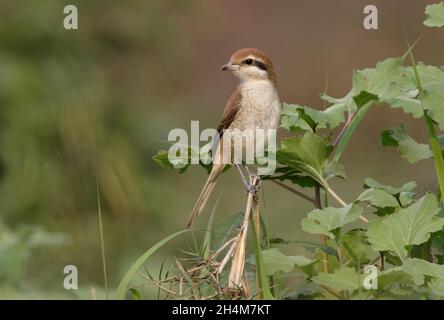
260 65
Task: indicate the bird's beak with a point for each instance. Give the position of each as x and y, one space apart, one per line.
227 67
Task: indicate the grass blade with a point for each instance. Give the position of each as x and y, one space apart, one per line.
123 285
102 243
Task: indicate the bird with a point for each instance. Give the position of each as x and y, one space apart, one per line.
254 104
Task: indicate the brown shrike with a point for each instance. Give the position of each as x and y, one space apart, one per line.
254 104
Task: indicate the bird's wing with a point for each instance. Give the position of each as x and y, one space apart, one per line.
231 109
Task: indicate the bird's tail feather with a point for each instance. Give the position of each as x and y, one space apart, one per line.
205 194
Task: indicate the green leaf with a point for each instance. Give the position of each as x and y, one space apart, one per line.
307 288
364 98
305 118
432 94
275 261
334 169
328 219
435 15
393 276
378 198
409 148
408 226
178 163
419 268
135 293
356 249
308 245
308 154
434 103
406 198
293 175
123 285
370 183
344 279
437 287
368 84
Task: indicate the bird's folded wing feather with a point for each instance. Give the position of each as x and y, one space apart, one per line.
231 110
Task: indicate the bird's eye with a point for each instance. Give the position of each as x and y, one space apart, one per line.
249 61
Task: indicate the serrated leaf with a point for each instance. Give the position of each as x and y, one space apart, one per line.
328 219
307 154
355 248
437 287
380 83
435 15
393 276
307 288
406 198
432 80
306 118
378 198
310 246
409 148
407 187
334 169
275 261
293 175
344 279
419 268
408 226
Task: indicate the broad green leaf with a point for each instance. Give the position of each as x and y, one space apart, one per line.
344 279
406 198
307 288
437 287
419 268
435 15
369 85
306 118
408 226
293 118
434 103
181 164
334 169
393 276
307 154
408 102
378 198
370 183
275 261
432 80
355 248
328 219
409 148
310 246
432 77
293 175
380 82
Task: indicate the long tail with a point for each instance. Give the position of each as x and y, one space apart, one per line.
205 194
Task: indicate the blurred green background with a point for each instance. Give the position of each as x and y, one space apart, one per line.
92 106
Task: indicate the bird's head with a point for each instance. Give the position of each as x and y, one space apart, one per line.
250 64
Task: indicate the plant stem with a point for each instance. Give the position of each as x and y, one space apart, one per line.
323 237
300 194
344 128
342 202
434 142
